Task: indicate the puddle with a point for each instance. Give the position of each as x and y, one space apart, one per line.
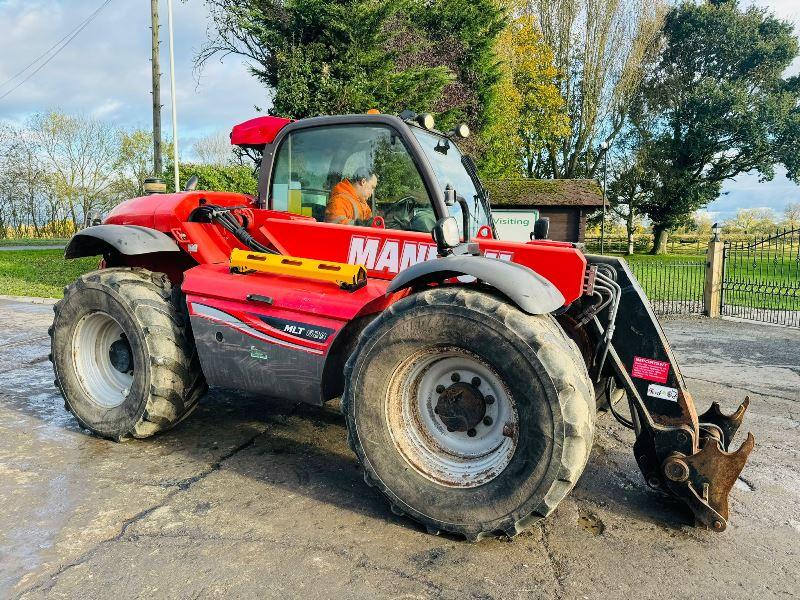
592 524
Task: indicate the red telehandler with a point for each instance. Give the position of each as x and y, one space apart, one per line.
469 368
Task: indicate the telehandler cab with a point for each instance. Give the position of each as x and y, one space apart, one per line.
469 368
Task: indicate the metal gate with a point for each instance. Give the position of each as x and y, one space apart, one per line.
761 279
674 287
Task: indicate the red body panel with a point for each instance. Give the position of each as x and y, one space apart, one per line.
311 299
165 211
257 132
277 344
384 252
280 344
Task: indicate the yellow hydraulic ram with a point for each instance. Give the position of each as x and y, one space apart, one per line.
348 277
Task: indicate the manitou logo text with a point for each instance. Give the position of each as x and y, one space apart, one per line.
393 255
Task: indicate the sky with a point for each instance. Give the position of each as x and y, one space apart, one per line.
105 73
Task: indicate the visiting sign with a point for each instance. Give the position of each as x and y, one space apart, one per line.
515 225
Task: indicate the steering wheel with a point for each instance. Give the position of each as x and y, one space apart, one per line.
404 199
409 214
398 214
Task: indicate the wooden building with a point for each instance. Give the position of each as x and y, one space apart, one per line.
567 202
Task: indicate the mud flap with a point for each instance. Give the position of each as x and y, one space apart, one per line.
678 452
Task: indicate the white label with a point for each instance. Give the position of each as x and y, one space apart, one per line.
514 225
388 255
663 392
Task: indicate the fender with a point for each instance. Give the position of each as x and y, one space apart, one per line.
531 292
125 239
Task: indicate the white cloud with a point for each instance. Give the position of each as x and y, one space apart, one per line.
746 191
105 71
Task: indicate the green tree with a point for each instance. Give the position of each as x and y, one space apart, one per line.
459 37
716 105
791 215
134 163
626 194
79 156
320 57
217 178
753 221
528 112
601 49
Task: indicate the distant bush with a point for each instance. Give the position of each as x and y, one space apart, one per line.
217 178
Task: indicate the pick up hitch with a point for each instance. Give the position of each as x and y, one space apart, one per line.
677 451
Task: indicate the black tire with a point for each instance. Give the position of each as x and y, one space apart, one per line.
541 368
166 379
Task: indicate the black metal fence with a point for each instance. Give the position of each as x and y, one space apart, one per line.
676 244
761 279
673 286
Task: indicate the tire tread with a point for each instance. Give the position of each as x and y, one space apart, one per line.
564 364
176 381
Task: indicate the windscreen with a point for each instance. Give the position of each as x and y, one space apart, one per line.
445 159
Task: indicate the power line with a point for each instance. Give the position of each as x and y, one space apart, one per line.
49 50
59 46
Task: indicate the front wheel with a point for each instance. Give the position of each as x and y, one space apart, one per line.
123 354
469 415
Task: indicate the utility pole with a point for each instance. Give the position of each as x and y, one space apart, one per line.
604 148
157 167
174 102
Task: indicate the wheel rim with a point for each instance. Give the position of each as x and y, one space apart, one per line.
103 359
451 417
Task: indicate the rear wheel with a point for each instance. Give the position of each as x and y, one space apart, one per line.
469 415
123 354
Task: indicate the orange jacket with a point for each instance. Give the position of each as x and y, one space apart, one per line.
344 206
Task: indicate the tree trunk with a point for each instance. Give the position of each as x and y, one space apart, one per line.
630 225
660 234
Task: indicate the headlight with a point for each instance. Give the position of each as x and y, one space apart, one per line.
426 120
446 234
461 130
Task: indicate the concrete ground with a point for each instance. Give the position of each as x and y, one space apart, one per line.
257 500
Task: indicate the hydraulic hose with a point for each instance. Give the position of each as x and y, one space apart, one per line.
222 216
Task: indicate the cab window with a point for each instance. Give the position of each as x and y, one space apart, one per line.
350 174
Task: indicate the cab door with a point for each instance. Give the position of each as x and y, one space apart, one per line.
312 166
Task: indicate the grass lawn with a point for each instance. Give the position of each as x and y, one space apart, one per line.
34 242
42 273
671 278
667 279
664 258
766 282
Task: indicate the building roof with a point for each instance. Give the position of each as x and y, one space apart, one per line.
510 193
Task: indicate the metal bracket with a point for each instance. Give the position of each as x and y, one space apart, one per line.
695 467
727 424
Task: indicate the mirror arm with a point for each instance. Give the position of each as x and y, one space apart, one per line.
464 215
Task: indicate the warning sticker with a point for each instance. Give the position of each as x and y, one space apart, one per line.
652 370
660 391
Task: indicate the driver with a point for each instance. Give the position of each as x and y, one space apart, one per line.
348 204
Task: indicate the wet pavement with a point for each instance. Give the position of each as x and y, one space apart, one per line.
254 499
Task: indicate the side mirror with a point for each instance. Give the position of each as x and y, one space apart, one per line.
154 185
446 235
191 184
541 228
449 195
